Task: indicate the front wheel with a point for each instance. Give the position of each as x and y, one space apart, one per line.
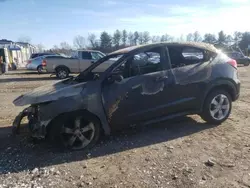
62 73
217 107
75 132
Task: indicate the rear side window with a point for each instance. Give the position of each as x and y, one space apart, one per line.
183 56
86 55
192 54
51 57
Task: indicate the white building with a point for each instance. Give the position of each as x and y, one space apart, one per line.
16 52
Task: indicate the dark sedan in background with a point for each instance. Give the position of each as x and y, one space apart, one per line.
239 57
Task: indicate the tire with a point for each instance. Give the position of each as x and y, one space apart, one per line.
62 72
40 69
210 110
64 130
246 64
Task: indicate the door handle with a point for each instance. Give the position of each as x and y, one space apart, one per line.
160 78
126 95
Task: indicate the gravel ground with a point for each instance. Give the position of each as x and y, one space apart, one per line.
184 152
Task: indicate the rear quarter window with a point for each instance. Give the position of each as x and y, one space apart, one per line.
182 56
192 54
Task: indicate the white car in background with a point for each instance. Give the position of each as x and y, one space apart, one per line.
37 63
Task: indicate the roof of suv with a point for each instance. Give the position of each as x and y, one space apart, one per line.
88 51
201 45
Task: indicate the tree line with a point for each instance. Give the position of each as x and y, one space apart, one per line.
107 42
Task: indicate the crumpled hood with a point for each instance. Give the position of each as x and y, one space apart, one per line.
50 92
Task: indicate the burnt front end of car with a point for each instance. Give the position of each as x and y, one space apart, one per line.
36 126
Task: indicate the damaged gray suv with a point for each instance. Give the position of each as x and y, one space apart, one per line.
142 84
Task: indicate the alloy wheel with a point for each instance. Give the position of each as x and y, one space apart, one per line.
79 135
40 69
219 107
62 74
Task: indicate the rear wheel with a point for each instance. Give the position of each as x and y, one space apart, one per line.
246 64
62 73
217 107
40 69
75 132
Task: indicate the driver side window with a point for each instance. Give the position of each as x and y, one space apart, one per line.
141 63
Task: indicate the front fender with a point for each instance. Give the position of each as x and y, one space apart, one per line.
84 101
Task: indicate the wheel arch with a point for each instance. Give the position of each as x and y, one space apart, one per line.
225 85
62 66
80 112
40 65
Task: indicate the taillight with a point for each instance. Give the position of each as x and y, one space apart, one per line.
233 63
44 63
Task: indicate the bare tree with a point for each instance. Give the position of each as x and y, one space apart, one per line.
146 37
92 40
190 37
40 47
24 39
79 42
65 45
197 36
117 38
156 39
162 38
209 38
55 47
237 36
168 38
124 37
181 38
136 37
65 48
140 38
131 38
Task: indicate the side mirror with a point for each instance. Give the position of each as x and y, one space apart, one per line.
115 77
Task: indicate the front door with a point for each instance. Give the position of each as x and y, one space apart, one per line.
143 92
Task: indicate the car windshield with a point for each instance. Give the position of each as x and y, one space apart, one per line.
107 63
98 67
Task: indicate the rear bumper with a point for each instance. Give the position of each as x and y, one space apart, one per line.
237 90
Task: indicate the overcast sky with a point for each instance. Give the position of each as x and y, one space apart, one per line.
52 21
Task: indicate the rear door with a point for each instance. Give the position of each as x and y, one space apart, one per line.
191 71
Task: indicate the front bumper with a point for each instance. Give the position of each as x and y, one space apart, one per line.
37 128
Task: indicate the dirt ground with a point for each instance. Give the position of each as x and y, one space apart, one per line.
184 152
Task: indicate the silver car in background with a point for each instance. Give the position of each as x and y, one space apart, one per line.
36 63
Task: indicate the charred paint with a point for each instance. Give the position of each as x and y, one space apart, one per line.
67 96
